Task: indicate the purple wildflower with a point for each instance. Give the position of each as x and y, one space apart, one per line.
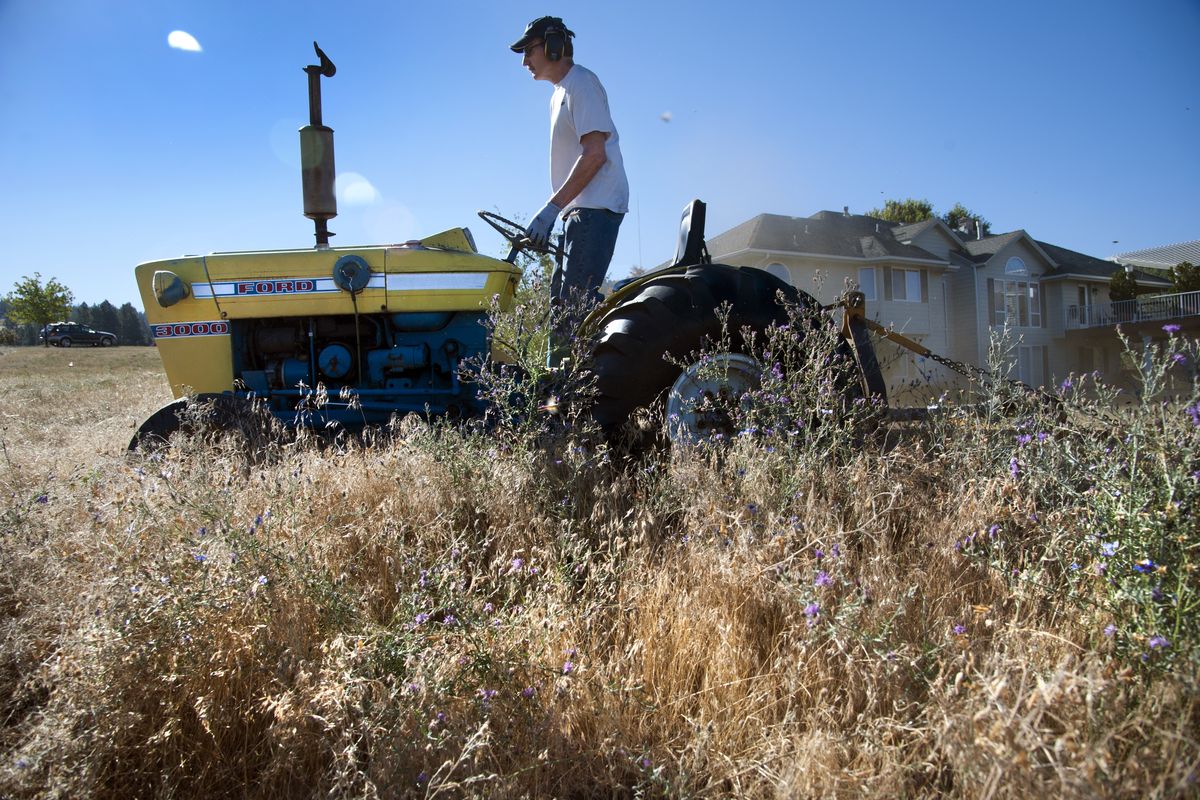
517 563
421 618
488 608
449 619
823 578
568 667
993 530
1110 630
1024 439
818 554
1171 327
1158 642
200 557
527 692
43 499
812 610
1145 565
1014 467
1109 549
959 629
1179 358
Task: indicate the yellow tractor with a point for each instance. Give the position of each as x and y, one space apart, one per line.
355 335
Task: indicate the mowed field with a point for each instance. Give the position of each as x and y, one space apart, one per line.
66 410
976 607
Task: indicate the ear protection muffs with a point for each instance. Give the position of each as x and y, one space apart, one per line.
556 42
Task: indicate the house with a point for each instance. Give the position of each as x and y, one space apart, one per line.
952 291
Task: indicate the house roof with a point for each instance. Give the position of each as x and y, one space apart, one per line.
861 237
915 229
1070 262
1164 257
827 233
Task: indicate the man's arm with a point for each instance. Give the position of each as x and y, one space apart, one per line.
585 168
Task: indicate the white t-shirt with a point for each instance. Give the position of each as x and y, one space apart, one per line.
579 106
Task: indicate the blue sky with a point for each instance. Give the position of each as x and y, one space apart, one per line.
1076 121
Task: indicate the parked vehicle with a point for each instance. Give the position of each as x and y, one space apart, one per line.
67 334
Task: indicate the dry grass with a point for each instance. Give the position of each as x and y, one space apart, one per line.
454 616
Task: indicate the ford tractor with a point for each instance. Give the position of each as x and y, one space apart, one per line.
351 336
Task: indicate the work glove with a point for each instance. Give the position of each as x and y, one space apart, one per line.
539 230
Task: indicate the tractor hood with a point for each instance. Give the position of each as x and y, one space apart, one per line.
440 273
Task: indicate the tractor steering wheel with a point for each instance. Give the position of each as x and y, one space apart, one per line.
515 235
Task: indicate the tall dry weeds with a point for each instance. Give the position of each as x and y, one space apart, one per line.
465 614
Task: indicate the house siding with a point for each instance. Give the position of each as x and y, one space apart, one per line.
964 296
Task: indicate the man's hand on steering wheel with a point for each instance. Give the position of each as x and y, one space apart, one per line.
543 224
518 238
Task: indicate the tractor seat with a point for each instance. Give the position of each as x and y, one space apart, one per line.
691 248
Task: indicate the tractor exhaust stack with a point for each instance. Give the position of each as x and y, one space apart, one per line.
316 155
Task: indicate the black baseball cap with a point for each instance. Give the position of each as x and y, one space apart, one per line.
537 30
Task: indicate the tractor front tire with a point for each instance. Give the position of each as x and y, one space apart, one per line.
206 413
645 342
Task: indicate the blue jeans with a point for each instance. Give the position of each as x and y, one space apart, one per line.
589 237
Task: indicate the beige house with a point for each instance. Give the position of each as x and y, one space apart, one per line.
951 291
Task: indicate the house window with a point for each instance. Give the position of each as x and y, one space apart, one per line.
866 282
1018 303
1014 266
906 285
780 271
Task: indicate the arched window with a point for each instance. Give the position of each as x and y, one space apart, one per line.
780 271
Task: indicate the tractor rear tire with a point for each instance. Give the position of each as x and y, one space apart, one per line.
644 340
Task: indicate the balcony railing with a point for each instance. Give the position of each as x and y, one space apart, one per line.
1153 308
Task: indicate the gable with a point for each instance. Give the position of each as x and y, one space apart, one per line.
1018 259
936 239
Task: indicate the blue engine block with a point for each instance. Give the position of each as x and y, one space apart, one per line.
360 370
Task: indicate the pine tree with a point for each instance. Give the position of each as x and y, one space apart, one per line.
132 329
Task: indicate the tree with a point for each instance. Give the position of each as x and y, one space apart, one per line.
104 317
32 303
905 211
82 314
962 218
132 329
1122 286
1185 277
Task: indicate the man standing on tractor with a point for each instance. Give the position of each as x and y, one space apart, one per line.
587 176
